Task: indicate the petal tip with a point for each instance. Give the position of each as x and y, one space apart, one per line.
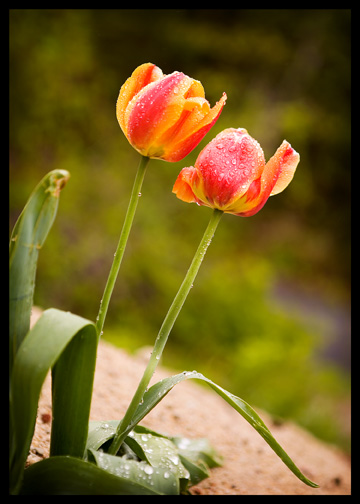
288 159
182 187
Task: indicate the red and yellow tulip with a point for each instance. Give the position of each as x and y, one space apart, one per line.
230 174
164 116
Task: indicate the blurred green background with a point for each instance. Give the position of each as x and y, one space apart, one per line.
269 315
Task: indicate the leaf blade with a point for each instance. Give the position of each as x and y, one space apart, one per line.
36 356
72 476
159 390
159 480
28 236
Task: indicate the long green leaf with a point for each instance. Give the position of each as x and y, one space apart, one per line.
73 476
28 236
69 343
158 391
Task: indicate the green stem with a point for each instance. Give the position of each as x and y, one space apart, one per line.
125 426
136 191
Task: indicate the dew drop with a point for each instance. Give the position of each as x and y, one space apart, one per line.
184 443
174 459
148 470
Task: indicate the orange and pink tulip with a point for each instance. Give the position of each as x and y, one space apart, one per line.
230 174
164 116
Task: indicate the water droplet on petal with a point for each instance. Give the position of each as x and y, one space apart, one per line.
174 459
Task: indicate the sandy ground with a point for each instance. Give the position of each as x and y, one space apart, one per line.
250 466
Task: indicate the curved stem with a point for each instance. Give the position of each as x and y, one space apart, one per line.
134 198
125 426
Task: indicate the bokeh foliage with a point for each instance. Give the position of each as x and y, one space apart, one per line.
287 75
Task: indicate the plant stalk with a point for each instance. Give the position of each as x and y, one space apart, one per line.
134 198
125 425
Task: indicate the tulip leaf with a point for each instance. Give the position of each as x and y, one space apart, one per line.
159 390
188 459
64 475
27 238
67 344
157 478
100 432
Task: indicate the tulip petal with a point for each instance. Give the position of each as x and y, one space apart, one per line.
193 129
229 164
250 203
141 77
191 107
254 190
155 109
280 169
197 103
289 162
182 187
196 89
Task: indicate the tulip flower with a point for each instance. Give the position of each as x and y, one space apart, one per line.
230 174
164 116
